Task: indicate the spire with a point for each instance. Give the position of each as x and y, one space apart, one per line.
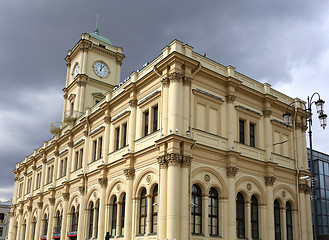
96 30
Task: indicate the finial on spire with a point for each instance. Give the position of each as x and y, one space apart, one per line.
96 30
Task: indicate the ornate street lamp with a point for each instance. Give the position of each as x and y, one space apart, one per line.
323 122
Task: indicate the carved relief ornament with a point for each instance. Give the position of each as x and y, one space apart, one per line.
102 182
66 196
81 189
269 180
130 173
267 113
187 81
175 77
133 103
304 188
165 82
231 172
40 204
230 98
52 201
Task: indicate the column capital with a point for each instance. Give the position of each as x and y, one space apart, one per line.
29 208
162 161
173 159
81 189
230 98
130 173
267 113
56 153
186 161
165 82
231 172
20 211
66 196
269 180
187 81
107 120
70 144
175 77
304 188
52 201
102 182
40 205
133 103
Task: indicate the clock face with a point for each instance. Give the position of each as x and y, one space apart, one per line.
76 70
101 69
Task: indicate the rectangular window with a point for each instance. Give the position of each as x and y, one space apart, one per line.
100 146
124 135
252 134
81 158
1 231
117 138
20 190
146 123
241 131
94 150
29 182
155 118
76 160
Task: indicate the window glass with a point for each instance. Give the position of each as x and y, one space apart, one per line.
196 210
240 216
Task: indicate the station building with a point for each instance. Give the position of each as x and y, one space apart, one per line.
183 148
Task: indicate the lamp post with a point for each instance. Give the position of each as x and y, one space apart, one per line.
323 122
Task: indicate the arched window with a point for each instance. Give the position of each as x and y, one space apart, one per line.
114 217
57 229
123 209
91 219
154 209
74 222
45 225
196 210
240 216
289 221
277 223
142 211
254 218
213 212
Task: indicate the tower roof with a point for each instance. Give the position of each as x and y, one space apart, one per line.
100 38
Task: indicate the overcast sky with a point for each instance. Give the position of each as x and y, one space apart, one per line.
284 43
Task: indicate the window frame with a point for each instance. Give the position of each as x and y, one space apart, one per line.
196 210
240 218
213 213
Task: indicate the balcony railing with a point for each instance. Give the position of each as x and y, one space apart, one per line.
71 115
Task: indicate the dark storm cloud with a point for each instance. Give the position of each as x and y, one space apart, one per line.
262 39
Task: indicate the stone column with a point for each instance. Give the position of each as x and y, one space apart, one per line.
29 223
162 197
205 213
130 173
43 174
118 226
66 197
20 224
55 167
230 125
69 160
11 235
173 196
247 205
38 227
175 96
283 222
231 202
81 227
132 125
33 178
309 227
101 224
149 214
51 218
185 198
269 181
106 145
187 104
268 134
164 120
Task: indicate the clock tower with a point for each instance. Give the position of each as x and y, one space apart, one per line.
93 68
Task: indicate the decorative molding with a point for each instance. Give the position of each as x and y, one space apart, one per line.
230 98
249 186
66 196
267 113
52 201
269 180
102 182
206 178
130 173
231 172
133 103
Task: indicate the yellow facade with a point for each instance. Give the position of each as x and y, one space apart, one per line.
185 148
